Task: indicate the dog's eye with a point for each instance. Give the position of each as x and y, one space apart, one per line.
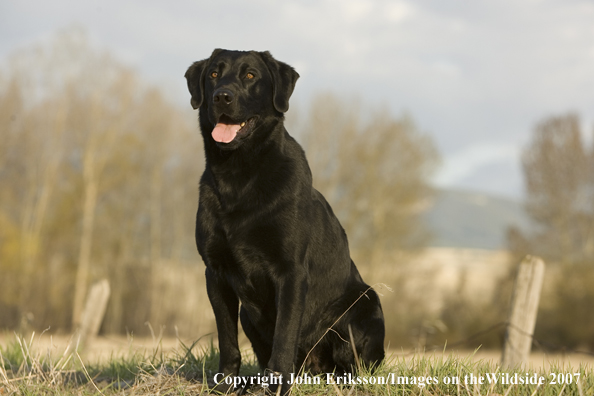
249 76
214 74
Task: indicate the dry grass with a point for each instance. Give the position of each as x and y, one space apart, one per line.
28 370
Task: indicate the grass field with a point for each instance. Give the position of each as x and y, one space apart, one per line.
28 367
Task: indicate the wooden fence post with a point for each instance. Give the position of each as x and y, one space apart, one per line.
522 316
93 313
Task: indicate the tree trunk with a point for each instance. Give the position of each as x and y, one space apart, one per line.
88 220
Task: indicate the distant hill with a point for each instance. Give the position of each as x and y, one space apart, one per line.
466 219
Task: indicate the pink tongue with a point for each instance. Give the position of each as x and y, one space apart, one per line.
224 133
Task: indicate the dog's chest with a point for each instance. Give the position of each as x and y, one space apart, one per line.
251 275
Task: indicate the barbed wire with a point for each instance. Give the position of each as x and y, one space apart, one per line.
544 345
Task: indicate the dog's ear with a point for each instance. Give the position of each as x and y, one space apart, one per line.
195 79
284 78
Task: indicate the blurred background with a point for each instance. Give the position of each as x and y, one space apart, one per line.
451 139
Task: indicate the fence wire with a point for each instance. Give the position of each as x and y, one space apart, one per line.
543 345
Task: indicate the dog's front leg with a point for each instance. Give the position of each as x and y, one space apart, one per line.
291 291
225 305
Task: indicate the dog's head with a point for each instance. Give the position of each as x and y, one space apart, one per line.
237 91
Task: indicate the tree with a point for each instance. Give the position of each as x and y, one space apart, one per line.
91 160
374 169
559 174
559 177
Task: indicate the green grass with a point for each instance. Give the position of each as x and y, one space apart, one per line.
27 372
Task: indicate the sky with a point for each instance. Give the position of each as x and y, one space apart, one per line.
475 75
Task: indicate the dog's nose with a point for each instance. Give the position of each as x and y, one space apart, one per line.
223 96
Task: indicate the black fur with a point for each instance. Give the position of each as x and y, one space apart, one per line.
270 241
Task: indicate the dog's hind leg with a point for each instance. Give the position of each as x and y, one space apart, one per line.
372 351
366 323
371 329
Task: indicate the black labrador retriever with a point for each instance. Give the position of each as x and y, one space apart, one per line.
269 240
